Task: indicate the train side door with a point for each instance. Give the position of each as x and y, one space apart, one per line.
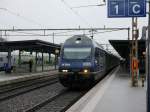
102 61
97 61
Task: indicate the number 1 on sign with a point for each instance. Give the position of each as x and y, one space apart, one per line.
117 9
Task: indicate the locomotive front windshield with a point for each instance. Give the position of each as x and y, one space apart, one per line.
77 53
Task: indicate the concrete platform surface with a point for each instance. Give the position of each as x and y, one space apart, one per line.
18 77
113 94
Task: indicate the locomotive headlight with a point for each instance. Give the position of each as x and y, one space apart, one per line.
64 70
85 71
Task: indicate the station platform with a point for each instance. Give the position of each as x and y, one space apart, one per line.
18 77
113 94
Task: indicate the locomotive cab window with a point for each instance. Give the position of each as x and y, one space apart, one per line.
77 53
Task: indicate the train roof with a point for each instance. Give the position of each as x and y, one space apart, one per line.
78 40
82 40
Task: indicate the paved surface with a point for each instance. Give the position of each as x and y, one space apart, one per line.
113 95
121 97
18 77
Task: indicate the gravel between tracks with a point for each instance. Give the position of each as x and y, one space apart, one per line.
16 92
61 102
25 101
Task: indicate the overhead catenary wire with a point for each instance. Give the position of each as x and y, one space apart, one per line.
25 32
59 34
63 32
34 34
75 12
87 6
64 29
107 31
20 16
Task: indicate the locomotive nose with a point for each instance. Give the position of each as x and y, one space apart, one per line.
76 67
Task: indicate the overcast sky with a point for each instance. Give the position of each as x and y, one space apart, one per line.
57 14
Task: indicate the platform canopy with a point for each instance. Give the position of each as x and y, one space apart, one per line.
123 47
29 46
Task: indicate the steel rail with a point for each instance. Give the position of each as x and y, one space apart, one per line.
43 103
27 88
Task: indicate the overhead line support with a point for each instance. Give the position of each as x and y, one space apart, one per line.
64 29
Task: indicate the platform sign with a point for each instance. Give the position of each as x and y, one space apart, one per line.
126 8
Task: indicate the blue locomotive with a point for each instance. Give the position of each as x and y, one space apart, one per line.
83 61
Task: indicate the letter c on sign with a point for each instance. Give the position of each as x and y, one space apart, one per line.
136 9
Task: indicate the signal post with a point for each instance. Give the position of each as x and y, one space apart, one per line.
134 53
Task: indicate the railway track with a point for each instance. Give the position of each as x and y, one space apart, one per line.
16 89
22 102
18 85
48 98
58 103
43 95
